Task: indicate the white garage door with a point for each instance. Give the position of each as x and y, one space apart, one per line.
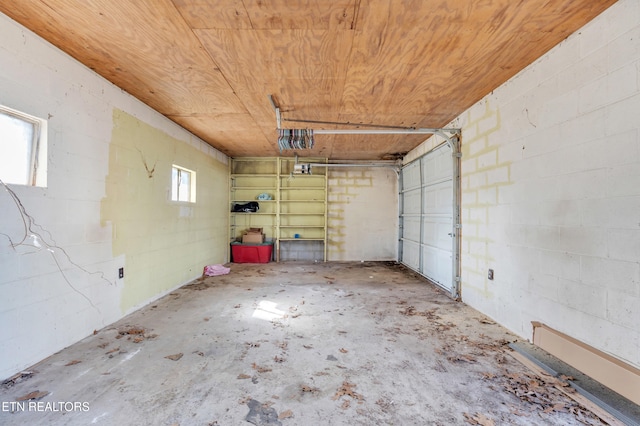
427 217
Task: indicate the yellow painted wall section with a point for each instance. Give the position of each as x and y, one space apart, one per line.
164 243
483 173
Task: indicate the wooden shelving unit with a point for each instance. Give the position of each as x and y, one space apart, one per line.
250 177
298 211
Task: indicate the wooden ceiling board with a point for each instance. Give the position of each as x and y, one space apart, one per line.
303 69
229 133
143 47
273 14
210 65
302 14
214 14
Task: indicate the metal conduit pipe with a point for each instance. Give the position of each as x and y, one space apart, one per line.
395 166
385 132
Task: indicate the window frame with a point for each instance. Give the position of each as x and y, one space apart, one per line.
37 169
175 186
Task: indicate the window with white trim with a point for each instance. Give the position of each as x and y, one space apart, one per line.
183 184
23 148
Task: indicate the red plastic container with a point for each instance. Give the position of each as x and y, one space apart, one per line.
251 253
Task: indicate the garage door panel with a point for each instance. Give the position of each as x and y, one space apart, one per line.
412 201
411 254
412 229
438 165
436 232
438 198
411 176
430 262
427 216
430 233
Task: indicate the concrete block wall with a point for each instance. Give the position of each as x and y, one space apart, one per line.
551 190
100 210
302 250
362 217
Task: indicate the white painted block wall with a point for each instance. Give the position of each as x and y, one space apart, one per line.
362 214
551 190
53 298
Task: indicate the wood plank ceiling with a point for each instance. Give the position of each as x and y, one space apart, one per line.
209 65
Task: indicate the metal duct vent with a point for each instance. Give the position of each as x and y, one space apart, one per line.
295 139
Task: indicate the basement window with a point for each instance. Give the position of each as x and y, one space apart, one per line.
183 184
23 148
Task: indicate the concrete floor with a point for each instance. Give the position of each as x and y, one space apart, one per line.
293 344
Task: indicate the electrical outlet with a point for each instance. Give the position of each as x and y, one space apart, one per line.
121 273
490 274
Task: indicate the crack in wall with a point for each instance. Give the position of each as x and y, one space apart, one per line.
34 238
146 166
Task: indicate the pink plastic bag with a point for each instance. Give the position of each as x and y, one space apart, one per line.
213 270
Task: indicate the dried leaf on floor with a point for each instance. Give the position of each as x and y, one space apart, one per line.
307 346
131 330
112 350
486 321
478 419
279 359
345 404
285 414
206 319
412 311
73 362
17 378
259 368
543 393
103 345
516 411
33 395
347 389
174 357
138 339
343 350
243 376
444 327
501 359
309 389
462 358
384 404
